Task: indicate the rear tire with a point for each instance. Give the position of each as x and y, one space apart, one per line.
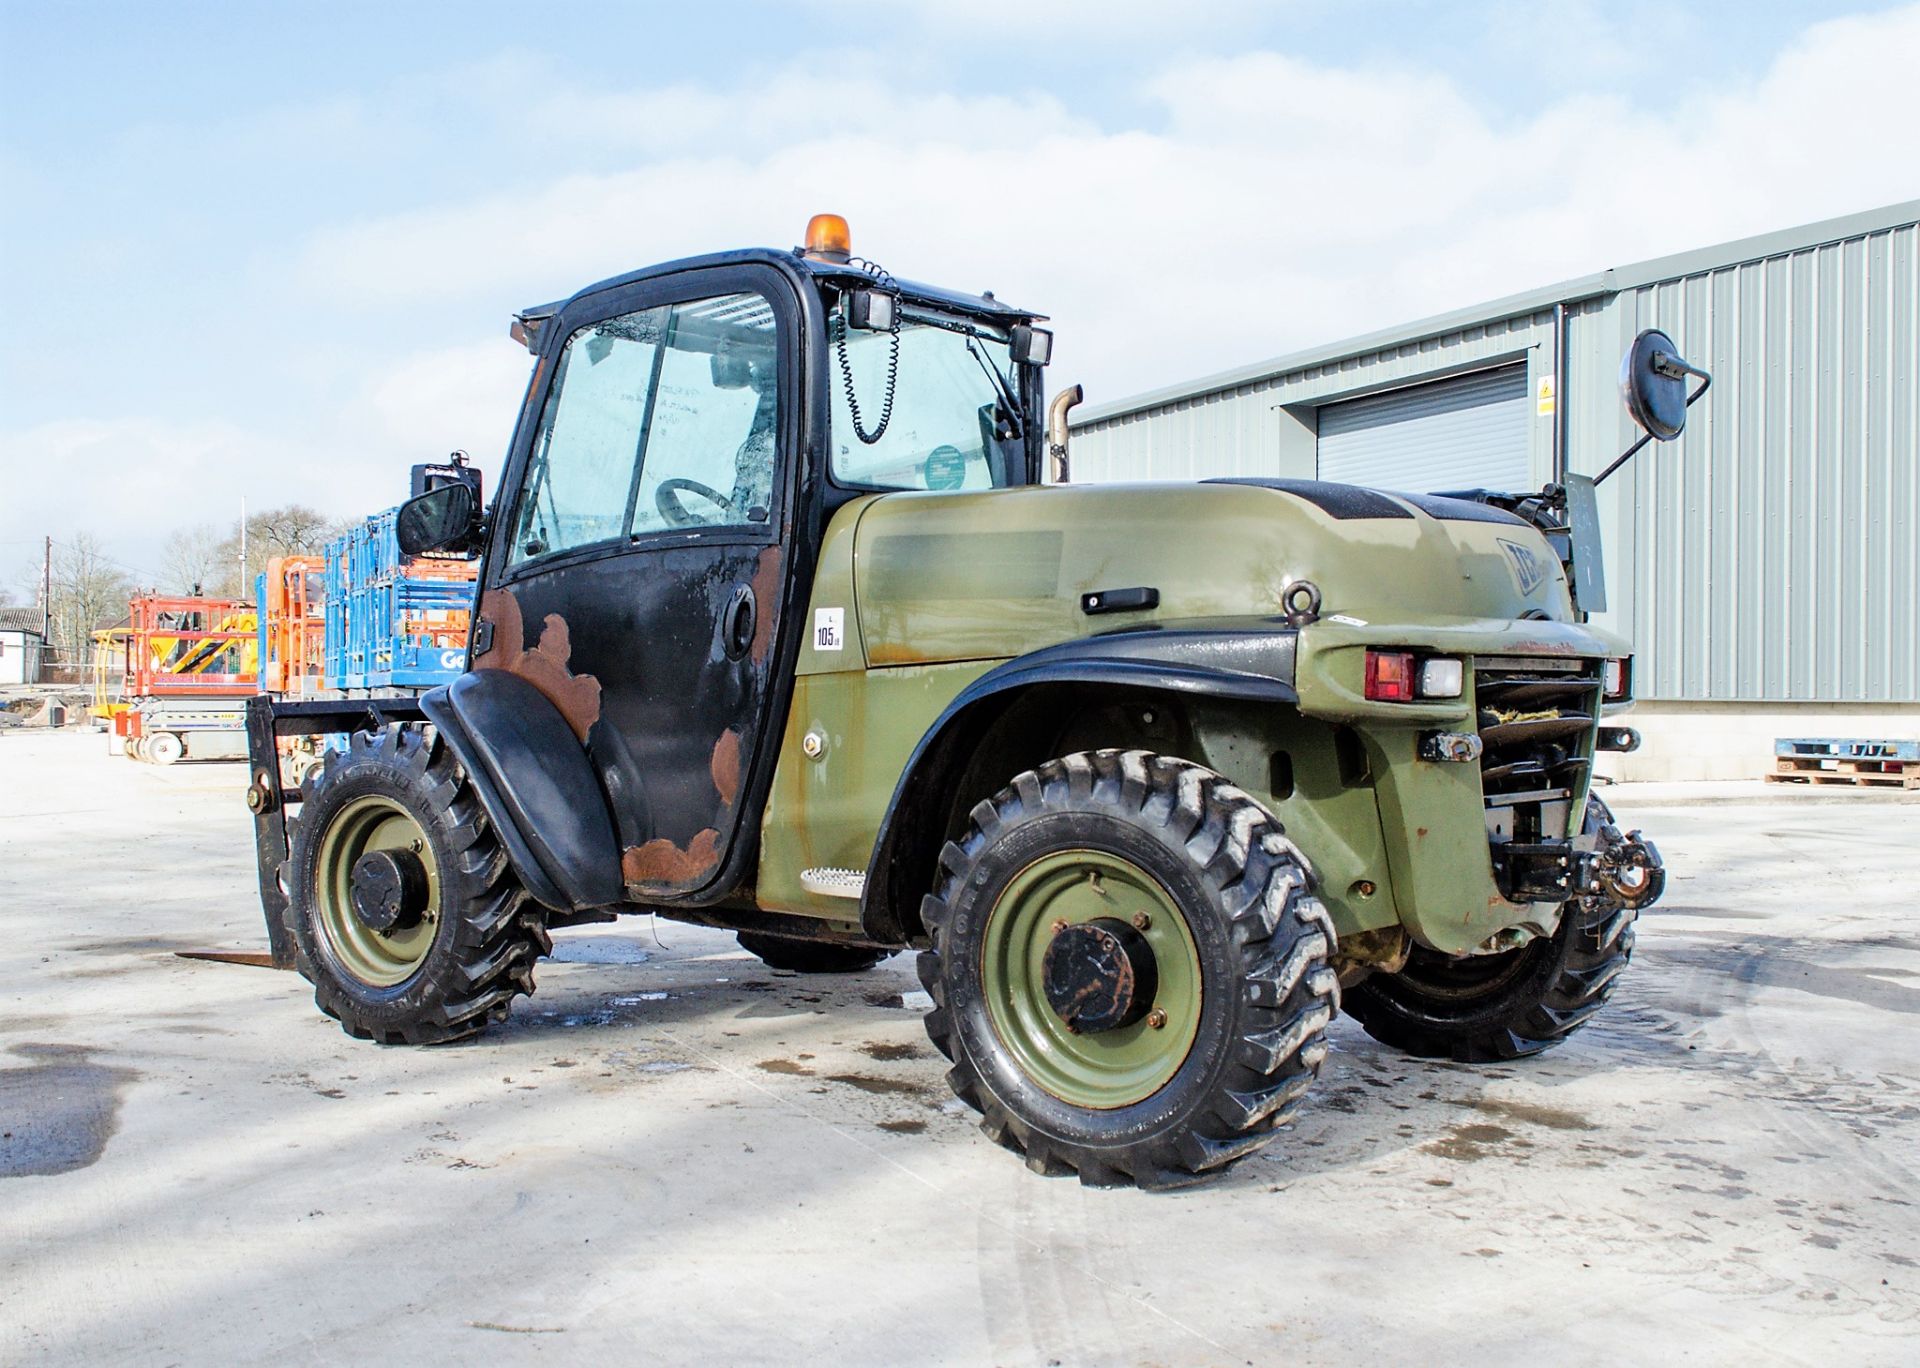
810 957
454 965
1234 968
1485 1008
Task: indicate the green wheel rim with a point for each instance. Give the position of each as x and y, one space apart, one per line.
1106 1069
376 958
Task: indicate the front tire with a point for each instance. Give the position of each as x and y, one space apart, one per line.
1129 969
1484 1008
405 912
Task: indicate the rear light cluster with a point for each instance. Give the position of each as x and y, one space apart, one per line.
1402 677
1616 679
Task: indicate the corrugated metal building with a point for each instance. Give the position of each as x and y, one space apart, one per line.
1765 565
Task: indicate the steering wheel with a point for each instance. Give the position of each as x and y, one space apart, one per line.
666 497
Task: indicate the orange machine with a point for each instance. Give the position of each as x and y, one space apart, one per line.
293 625
191 665
182 647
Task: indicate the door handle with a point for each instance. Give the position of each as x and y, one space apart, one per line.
737 622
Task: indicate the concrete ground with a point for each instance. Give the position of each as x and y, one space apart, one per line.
672 1154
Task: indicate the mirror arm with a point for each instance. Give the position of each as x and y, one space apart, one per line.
1668 365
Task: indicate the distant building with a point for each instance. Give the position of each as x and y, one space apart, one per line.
22 642
1766 566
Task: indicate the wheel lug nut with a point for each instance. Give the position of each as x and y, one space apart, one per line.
1157 1019
1141 921
1059 926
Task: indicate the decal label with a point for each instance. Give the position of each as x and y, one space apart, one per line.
1529 570
829 629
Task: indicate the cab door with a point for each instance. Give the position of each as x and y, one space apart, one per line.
635 571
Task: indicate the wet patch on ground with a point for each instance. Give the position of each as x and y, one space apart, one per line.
1467 1143
886 1053
1532 1114
867 1083
57 1115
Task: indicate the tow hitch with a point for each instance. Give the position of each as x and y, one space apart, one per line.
1626 870
1622 871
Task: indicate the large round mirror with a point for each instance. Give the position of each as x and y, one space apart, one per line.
1653 383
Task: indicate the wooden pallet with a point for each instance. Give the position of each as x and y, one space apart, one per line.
1812 769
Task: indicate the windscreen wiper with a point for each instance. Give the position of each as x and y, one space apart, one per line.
1000 387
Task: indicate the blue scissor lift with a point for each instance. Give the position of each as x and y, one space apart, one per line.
394 626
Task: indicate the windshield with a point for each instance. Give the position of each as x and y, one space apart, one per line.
951 426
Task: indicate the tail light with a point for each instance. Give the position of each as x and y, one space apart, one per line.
1616 679
1390 676
1402 677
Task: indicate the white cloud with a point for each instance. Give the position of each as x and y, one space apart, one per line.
1278 204
1078 21
1264 203
132 480
460 397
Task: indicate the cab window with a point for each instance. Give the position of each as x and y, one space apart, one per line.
660 420
950 424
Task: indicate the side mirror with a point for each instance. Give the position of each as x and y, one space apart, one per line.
442 519
1653 384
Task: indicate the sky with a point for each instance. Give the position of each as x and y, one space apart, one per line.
269 252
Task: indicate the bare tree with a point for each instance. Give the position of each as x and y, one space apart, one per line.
196 560
88 590
294 530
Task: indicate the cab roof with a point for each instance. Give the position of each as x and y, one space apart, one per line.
528 323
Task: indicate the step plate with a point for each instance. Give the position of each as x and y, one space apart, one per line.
834 883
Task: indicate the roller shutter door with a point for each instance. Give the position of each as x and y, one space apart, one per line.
1468 432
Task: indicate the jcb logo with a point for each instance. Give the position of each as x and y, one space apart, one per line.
1528 569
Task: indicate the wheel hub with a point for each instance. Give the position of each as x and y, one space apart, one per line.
1099 975
388 890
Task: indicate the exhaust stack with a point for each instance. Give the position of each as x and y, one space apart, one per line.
1057 429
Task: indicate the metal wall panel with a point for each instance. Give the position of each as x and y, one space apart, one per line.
1266 426
1469 432
1767 556
1226 433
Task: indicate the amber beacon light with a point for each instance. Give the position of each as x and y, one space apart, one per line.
828 238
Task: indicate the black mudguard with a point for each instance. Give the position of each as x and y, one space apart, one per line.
1238 659
535 780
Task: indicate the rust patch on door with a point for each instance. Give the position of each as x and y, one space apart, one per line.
766 594
660 861
545 666
726 766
